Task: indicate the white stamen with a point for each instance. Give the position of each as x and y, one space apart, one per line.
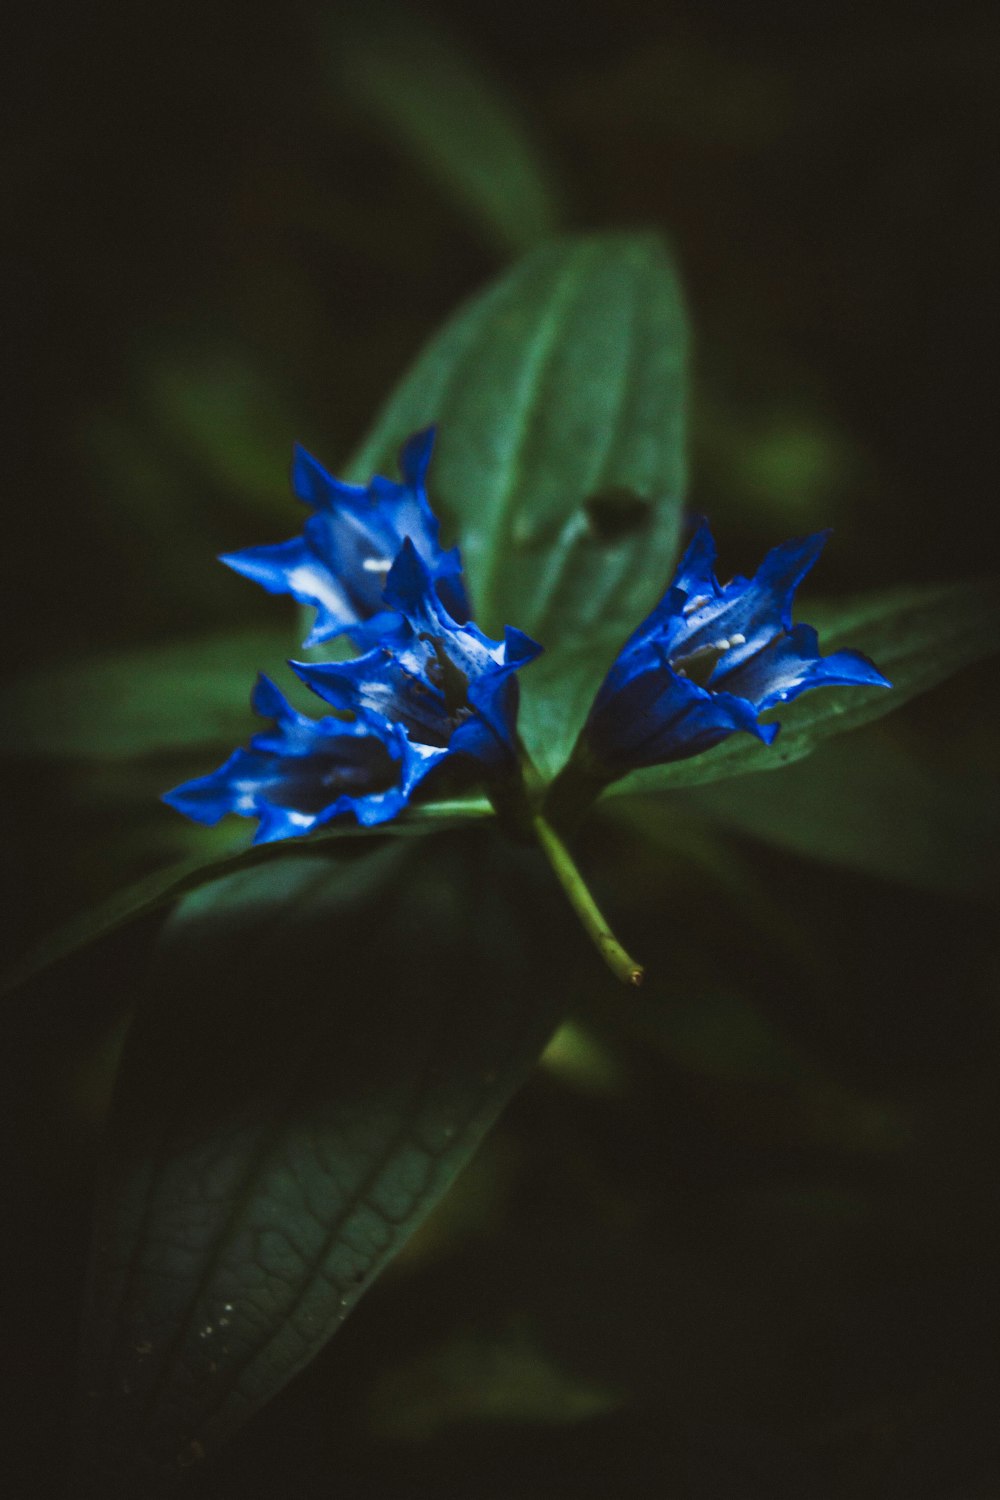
375 565
722 644
737 640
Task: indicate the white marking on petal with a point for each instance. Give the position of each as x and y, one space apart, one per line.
376 565
695 603
316 582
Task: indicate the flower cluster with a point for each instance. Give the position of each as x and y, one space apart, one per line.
709 660
430 688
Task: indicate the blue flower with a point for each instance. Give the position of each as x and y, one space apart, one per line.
709 660
304 772
342 559
434 689
446 686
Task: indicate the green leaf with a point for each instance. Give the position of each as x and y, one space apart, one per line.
918 637
865 805
226 417
162 886
433 100
129 703
560 399
321 1048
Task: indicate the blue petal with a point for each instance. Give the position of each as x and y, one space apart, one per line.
655 703
303 773
415 457
656 717
491 734
519 649
389 687
318 488
404 680
410 589
294 568
755 609
695 572
792 664
340 563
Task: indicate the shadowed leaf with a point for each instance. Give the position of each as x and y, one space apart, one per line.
320 1049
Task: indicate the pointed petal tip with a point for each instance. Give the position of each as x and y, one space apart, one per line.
519 649
192 800
305 474
864 671
234 560
269 565
408 582
694 572
415 455
267 699
314 485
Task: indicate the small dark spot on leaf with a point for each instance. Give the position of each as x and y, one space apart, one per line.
616 512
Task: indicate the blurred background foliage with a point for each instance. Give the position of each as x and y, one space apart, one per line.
736 1237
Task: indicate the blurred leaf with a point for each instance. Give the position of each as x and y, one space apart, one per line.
918 637
206 431
226 417
184 876
767 449
127 703
481 1376
580 1059
431 99
321 1048
159 510
560 398
870 806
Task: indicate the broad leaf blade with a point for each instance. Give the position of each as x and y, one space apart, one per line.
865 805
918 637
321 1049
128 703
562 384
160 887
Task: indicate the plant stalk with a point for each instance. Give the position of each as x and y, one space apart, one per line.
621 964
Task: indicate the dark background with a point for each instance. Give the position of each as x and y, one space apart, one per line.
737 1240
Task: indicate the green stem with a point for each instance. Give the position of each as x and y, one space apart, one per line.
618 961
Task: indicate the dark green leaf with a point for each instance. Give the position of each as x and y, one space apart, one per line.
866 805
128 703
434 101
165 885
918 637
227 418
322 1046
